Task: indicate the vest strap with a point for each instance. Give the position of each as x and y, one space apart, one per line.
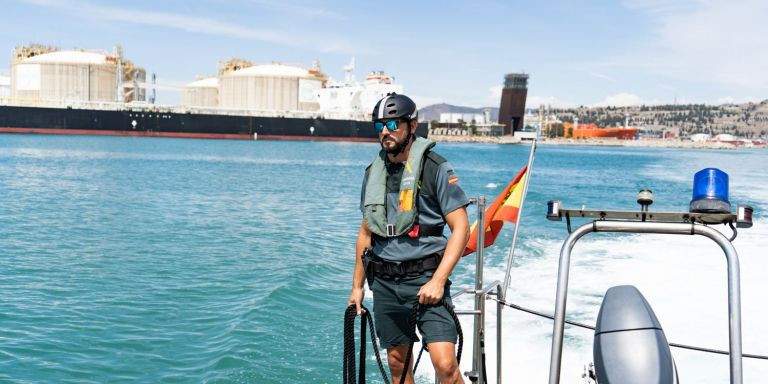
417 231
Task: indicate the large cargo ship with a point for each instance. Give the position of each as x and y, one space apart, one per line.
74 92
167 123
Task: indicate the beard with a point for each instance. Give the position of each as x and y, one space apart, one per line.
392 146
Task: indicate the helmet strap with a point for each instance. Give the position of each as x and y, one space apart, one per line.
407 139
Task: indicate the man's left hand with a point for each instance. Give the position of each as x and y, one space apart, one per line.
431 292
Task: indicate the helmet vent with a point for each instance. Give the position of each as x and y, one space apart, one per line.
393 112
390 105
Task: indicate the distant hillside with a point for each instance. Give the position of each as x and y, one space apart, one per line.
432 112
748 120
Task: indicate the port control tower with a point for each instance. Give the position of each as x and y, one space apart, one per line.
512 107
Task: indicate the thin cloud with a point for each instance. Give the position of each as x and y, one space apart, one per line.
661 7
495 92
298 9
601 76
534 101
716 42
623 99
196 24
667 87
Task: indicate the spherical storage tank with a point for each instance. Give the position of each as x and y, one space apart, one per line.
65 76
271 87
201 93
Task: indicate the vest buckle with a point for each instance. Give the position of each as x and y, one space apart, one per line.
390 230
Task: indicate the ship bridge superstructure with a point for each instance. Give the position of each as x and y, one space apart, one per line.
351 99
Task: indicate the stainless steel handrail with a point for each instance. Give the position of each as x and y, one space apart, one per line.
478 313
479 323
734 294
482 292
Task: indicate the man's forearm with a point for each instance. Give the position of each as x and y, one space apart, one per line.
453 250
358 277
363 241
459 224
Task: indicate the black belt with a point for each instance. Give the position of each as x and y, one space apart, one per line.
376 266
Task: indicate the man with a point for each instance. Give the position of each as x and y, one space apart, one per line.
409 194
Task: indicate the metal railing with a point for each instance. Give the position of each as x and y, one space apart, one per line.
734 295
496 288
477 374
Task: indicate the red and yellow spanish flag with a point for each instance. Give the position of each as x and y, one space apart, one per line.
505 207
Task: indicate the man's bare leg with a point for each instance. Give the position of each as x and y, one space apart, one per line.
443 355
396 360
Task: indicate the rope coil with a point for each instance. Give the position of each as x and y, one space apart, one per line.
348 370
348 366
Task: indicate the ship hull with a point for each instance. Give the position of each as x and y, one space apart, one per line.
618 133
145 122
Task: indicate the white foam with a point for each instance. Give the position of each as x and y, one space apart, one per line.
683 277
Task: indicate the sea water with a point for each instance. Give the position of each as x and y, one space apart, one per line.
171 260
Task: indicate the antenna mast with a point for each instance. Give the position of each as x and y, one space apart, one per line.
349 77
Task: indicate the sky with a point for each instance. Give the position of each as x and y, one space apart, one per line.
577 53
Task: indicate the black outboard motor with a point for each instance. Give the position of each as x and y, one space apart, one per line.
630 346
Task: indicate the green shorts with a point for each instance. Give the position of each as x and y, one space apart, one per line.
393 301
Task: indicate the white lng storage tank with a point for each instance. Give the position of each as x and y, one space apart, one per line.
271 87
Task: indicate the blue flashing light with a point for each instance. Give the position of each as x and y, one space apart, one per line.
710 191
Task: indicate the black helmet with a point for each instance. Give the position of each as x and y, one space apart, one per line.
394 106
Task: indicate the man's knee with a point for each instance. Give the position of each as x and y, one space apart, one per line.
396 355
445 364
443 358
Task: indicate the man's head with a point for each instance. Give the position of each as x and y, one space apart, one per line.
395 118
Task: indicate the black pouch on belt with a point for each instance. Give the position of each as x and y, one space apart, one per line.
367 258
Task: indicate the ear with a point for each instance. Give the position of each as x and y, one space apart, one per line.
413 125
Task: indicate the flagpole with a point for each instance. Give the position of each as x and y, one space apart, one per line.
519 220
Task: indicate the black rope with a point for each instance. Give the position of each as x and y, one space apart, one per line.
735 233
348 369
348 366
412 322
581 325
482 356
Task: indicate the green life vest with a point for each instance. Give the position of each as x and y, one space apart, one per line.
375 199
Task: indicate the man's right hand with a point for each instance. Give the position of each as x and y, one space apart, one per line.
356 299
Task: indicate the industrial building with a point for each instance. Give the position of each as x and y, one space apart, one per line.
467 118
40 73
512 106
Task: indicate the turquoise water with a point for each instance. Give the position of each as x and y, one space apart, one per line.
170 260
